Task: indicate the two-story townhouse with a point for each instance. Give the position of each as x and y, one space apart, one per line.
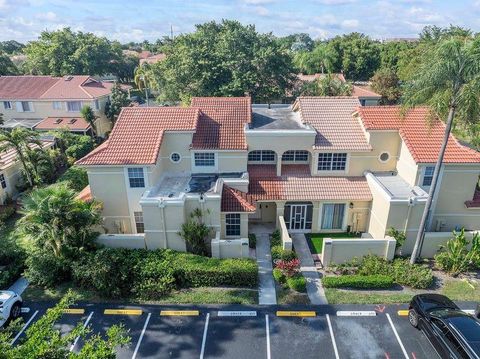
323 164
28 101
10 172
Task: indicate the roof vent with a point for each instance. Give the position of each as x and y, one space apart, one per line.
68 77
72 121
58 120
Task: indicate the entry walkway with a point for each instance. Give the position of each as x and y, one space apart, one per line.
314 285
266 283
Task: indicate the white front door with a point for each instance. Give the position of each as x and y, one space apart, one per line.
298 215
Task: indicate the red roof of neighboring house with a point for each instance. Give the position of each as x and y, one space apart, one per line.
153 59
222 121
25 87
8 158
138 134
422 135
85 194
234 200
332 117
297 184
364 91
72 123
80 87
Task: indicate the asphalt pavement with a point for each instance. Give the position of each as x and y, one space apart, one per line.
236 331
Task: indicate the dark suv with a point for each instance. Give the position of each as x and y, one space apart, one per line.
453 333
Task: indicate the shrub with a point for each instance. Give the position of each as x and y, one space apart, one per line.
455 258
276 239
45 269
284 254
195 232
297 283
6 212
279 276
76 178
399 236
289 268
252 240
378 281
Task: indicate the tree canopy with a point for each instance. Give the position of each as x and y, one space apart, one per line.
7 67
224 59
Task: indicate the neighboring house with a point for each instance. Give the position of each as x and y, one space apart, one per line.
365 94
74 124
152 59
323 164
35 98
10 172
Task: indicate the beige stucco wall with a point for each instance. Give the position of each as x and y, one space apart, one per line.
406 166
43 109
12 175
243 226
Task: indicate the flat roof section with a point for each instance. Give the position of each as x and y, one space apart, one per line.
397 187
277 117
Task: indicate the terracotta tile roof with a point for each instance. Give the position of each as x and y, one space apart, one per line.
8 158
53 88
295 185
222 121
364 91
72 123
234 200
423 140
138 133
85 194
332 117
25 87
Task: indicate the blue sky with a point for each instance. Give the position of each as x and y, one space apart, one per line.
137 20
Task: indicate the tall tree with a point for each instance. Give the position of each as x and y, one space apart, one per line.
7 67
447 80
118 99
64 52
319 60
21 140
89 116
385 82
54 219
223 59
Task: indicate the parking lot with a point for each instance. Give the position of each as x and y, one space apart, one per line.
250 332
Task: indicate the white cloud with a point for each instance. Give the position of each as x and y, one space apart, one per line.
335 2
350 23
258 2
47 16
261 10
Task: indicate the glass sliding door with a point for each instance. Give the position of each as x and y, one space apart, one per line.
333 215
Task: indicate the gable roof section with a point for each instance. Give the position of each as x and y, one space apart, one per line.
9 157
138 134
422 139
296 184
221 123
25 87
234 200
54 123
332 117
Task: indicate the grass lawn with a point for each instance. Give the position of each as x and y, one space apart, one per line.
315 240
200 295
338 296
288 296
457 289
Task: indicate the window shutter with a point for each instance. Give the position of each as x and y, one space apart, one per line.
19 106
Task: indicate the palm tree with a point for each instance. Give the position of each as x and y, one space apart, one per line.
89 116
448 81
144 78
21 140
56 220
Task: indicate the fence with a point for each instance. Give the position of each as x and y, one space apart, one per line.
286 240
130 241
229 248
344 250
433 241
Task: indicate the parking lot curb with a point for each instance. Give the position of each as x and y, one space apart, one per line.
402 313
122 312
287 313
73 311
356 313
179 313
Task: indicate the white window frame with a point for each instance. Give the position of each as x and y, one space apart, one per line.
3 181
72 102
7 105
137 215
424 172
331 170
96 105
21 108
57 105
133 174
203 154
261 156
295 154
239 224
344 220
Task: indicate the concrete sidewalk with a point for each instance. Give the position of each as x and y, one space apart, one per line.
314 285
266 285
19 286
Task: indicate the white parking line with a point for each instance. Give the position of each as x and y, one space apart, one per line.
23 328
141 336
335 349
397 336
267 325
84 325
204 340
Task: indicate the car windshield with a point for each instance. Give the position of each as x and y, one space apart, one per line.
440 312
467 326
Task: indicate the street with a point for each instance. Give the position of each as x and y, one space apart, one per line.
326 331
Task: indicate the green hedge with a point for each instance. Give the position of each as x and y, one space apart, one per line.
359 281
276 239
279 276
297 283
284 254
150 274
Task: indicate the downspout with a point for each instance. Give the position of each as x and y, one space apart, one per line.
161 205
411 204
